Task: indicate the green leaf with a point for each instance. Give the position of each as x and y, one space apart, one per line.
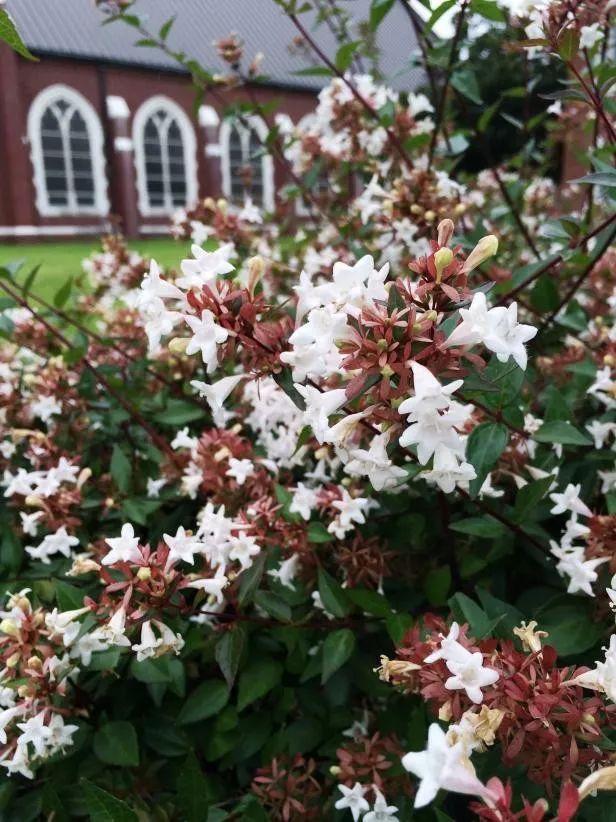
378 10
116 744
486 527
317 532
466 610
274 605
229 651
69 597
485 445
250 579
337 649
369 601
166 28
562 432
209 698
465 82
333 597
530 495
344 55
179 412
568 43
120 467
63 294
489 9
437 584
10 35
103 806
193 790
571 627
438 13
256 680
601 178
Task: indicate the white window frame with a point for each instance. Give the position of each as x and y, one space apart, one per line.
142 115
267 162
78 102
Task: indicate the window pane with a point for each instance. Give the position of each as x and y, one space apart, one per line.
81 160
54 166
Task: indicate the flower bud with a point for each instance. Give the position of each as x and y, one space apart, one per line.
442 258
335 770
222 454
13 660
10 627
83 477
35 664
430 216
445 232
144 573
256 269
34 502
178 345
485 248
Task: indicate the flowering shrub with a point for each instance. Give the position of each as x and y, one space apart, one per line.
322 523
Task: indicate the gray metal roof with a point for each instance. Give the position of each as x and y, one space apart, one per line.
72 28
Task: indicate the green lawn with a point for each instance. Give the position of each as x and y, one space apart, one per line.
60 260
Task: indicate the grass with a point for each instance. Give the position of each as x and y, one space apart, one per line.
60 260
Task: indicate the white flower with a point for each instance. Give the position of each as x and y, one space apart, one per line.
603 677
470 675
429 396
87 645
240 470
35 731
600 431
45 408
212 586
149 644
590 35
217 393
154 486
182 546
570 500
19 763
351 509
250 212
204 268
507 337
113 631
581 571
303 501
319 406
449 648
447 471
243 548
153 285
124 548
183 440
353 799
60 734
29 522
59 543
62 624
6 717
497 328
207 335
375 464
442 766
381 811
285 573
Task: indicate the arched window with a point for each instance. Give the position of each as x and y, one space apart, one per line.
66 142
165 147
247 169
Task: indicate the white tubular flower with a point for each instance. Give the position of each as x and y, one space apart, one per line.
570 500
207 336
217 393
204 268
442 766
124 548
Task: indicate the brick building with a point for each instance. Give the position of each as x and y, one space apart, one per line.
102 129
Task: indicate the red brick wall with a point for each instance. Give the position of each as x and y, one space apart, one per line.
21 81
